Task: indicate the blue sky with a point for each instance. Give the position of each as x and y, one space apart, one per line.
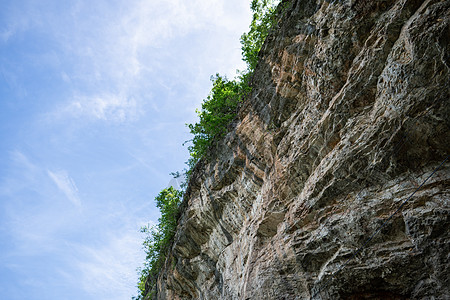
94 96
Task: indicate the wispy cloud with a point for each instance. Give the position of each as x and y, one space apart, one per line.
110 269
131 50
20 159
6 34
106 107
21 174
13 24
66 184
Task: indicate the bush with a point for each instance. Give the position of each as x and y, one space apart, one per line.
220 107
263 19
158 239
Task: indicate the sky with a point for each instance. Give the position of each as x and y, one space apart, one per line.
94 98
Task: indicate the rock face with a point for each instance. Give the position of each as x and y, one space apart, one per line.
349 115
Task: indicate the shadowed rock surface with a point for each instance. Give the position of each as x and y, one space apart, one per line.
349 115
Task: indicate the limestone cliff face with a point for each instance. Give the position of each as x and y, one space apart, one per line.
349 115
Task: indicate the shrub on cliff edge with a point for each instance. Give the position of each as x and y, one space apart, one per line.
158 239
220 107
218 110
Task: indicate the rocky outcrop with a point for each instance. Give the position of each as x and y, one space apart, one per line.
325 188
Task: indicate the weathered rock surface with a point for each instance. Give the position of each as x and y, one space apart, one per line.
349 115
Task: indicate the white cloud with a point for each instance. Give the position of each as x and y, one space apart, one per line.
151 24
105 106
22 174
108 107
129 49
6 34
66 184
120 47
18 158
109 270
65 77
12 26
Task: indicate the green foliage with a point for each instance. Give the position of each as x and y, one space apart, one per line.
263 20
158 239
218 110
220 107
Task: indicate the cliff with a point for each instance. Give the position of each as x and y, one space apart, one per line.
333 182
